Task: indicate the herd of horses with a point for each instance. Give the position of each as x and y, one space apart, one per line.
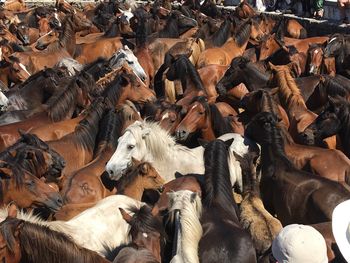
155 133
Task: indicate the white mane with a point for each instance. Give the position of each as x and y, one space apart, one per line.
190 206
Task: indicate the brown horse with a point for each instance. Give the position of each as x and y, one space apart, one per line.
295 30
86 184
231 49
207 119
292 101
294 196
317 63
272 43
58 107
147 234
15 5
77 148
63 48
25 189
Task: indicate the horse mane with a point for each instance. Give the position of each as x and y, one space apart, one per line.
243 33
288 89
157 141
130 176
113 30
217 190
141 33
220 37
220 124
28 164
114 89
191 229
170 29
185 69
87 129
37 240
109 131
334 88
60 103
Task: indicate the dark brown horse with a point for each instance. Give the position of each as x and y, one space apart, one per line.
294 196
220 212
333 120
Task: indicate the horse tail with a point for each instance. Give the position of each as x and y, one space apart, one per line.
303 33
201 44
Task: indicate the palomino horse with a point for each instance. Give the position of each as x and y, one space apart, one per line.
149 142
25 189
103 221
147 233
220 212
208 120
231 49
313 198
333 120
17 238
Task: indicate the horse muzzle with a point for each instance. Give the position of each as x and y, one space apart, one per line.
181 135
221 89
54 202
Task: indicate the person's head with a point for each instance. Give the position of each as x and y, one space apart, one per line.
299 243
341 228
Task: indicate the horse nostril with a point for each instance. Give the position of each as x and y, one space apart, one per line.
59 200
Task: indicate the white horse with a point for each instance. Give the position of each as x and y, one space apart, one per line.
148 142
100 228
125 55
190 206
71 65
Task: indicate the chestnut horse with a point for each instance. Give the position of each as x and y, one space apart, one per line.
207 119
231 49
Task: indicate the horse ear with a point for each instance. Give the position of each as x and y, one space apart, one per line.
145 168
12 210
271 66
145 132
229 142
125 215
203 143
178 175
135 161
4 173
193 196
237 156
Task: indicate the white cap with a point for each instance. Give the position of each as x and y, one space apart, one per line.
341 228
299 243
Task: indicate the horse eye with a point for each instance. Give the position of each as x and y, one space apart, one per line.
130 147
30 183
201 113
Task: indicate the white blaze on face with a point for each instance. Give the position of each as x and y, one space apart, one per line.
24 68
316 51
334 38
58 19
0 53
166 115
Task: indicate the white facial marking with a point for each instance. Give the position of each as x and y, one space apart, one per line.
24 68
316 51
0 54
145 235
195 106
334 38
166 115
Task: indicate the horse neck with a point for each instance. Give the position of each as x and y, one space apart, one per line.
344 132
135 188
208 131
